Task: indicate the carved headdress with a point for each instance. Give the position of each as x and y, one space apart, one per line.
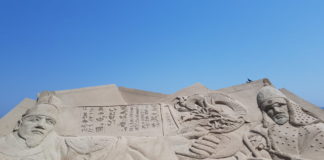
47 104
268 95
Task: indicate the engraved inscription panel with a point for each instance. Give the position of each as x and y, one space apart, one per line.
123 120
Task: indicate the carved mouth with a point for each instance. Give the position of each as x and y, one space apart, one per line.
280 115
37 132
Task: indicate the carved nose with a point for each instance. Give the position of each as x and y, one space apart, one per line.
277 109
40 127
41 124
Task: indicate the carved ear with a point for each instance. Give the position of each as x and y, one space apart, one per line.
17 125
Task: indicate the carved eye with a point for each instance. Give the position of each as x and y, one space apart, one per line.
276 105
50 121
282 104
268 108
33 118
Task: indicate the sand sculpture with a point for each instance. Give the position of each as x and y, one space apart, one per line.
288 131
253 121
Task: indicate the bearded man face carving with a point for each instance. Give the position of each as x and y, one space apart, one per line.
34 127
278 112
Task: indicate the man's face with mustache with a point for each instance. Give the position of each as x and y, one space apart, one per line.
278 112
35 128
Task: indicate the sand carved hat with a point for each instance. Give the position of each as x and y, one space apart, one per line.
269 95
47 105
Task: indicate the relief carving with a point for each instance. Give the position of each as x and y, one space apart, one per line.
34 138
216 112
214 124
121 119
210 126
288 132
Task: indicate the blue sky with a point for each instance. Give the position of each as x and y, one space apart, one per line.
159 46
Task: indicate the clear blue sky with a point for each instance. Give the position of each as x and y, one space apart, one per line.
159 46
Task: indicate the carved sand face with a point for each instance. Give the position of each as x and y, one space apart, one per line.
278 112
35 128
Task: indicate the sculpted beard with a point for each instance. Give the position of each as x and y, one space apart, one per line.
34 139
280 118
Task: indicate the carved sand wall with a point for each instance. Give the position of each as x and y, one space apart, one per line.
251 121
